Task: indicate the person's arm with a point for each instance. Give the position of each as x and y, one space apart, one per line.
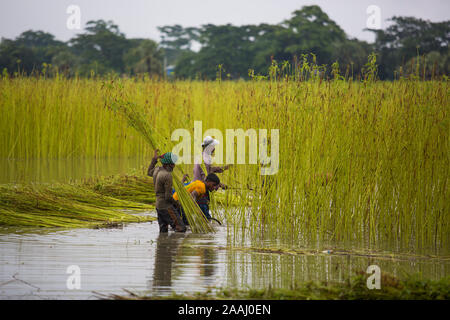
223 186
212 169
194 195
199 174
151 168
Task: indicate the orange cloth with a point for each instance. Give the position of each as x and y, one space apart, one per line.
196 185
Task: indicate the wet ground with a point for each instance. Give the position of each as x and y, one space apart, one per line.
40 265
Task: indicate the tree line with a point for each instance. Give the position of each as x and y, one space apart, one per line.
408 46
100 50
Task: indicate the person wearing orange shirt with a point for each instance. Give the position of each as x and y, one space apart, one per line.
199 191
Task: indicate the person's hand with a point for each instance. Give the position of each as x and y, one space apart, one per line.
227 166
185 178
223 186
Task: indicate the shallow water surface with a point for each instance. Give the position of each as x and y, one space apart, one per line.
135 257
33 265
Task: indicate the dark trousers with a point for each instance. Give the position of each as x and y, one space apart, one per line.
205 209
170 216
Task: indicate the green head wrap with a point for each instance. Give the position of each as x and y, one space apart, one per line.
169 158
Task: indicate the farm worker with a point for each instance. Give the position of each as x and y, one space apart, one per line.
166 206
199 190
208 147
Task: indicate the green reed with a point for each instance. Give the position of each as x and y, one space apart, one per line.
359 160
57 118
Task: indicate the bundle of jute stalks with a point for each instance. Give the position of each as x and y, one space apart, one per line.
118 102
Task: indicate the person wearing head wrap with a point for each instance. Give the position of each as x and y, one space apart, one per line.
165 204
208 147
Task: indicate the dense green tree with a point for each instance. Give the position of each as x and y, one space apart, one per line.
186 66
266 45
145 57
29 51
14 57
310 30
101 48
407 46
409 37
176 41
430 65
238 49
351 55
67 62
227 46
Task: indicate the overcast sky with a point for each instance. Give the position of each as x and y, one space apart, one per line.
140 18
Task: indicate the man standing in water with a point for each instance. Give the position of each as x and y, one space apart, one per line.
165 204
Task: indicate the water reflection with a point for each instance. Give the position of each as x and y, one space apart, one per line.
186 258
201 252
140 259
167 246
264 270
136 258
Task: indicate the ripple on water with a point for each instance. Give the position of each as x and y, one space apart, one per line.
137 257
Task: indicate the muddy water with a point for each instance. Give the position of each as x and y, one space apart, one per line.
33 265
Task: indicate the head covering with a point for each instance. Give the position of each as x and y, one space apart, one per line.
169 158
213 178
209 141
208 146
